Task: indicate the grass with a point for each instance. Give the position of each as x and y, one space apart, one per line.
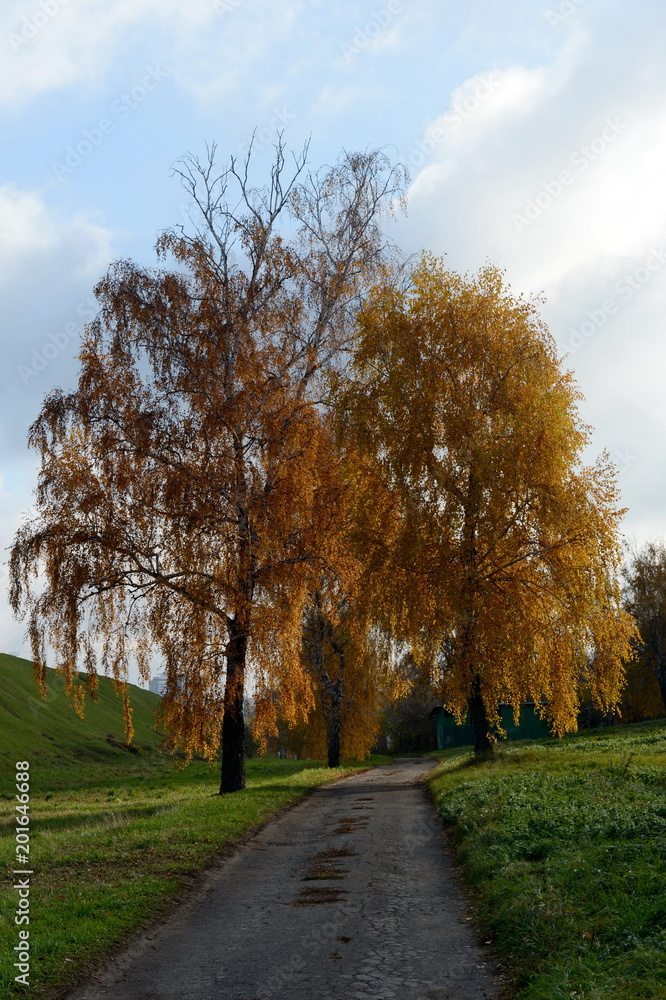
564 846
114 835
53 734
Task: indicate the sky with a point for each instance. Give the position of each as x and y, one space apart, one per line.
534 132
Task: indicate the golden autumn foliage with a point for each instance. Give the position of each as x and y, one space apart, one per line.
348 660
199 501
184 491
490 548
349 663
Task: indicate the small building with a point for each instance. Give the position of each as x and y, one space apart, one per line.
450 734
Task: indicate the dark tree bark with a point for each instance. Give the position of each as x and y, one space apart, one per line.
317 632
233 722
334 724
479 719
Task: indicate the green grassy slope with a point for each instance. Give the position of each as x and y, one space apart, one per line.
49 732
563 843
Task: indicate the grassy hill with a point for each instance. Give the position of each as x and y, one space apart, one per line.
49 732
563 844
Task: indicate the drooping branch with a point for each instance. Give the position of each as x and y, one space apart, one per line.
186 487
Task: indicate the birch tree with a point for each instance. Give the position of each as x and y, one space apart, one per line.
493 549
181 498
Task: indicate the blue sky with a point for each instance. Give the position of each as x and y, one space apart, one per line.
534 131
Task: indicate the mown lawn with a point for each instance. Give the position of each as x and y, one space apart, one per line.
564 846
111 846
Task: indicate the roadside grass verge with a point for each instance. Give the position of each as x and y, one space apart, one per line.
111 845
563 843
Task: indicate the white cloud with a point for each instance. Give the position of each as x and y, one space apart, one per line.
48 266
14 498
528 169
32 236
51 45
488 100
556 173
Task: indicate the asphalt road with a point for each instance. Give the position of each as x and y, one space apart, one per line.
351 895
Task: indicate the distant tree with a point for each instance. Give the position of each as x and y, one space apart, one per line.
326 648
406 722
348 664
645 599
180 501
641 696
348 658
493 551
286 738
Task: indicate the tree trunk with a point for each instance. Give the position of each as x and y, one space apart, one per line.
479 719
233 723
334 728
316 631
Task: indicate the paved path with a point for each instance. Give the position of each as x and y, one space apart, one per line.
349 896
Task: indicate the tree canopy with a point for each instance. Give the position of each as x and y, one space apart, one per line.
645 599
184 489
490 547
280 459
